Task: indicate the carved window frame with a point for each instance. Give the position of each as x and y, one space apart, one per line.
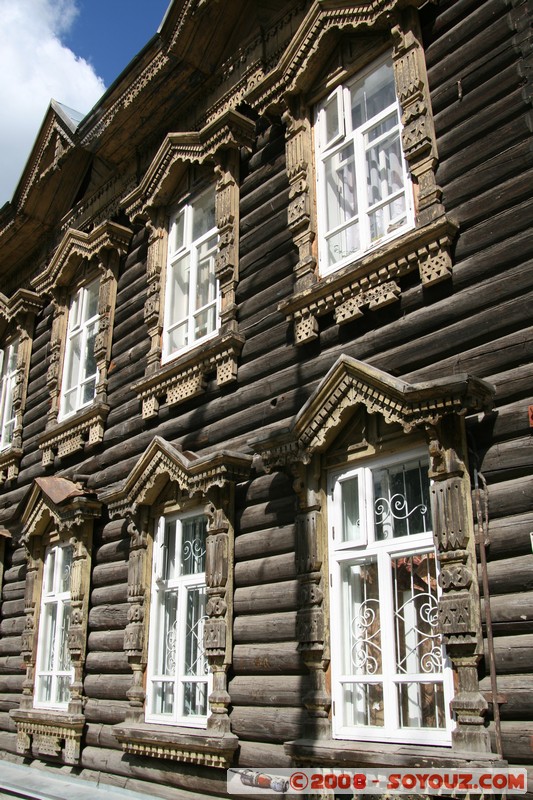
79 258
323 44
435 410
217 145
18 313
58 511
168 481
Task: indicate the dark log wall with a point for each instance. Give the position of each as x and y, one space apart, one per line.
479 322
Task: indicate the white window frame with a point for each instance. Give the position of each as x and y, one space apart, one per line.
363 549
50 649
8 357
324 149
80 324
189 248
180 586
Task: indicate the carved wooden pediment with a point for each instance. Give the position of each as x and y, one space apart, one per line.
22 302
351 383
77 246
163 463
58 501
162 177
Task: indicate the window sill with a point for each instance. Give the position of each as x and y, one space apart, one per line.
56 734
9 463
86 428
354 754
371 282
187 745
185 376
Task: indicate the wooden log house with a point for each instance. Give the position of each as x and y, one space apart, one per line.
265 462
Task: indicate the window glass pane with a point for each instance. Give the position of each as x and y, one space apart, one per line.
169 551
193 545
166 634
49 570
163 697
48 638
342 244
373 95
206 283
331 118
351 515
63 688
341 187
177 338
361 619
401 501
363 704
418 642
195 699
203 210
90 360
66 567
179 289
44 689
421 705
195 663
63 654
178 232
72 369
204 322
91 300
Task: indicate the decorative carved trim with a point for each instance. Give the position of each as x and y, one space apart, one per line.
61 509
84 429
186 376
373 283
350 383
230 130
77 246
19 311
165 471
53 733
190 747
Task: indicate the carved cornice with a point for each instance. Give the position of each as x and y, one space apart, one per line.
162 463
61 501
350 383
230 130
191 747
76 246
84 428
22 302
185 377
292 72
371 283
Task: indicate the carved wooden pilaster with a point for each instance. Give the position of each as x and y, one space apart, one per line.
459 610
134 635
299 157
310 625
79 601
227 220
57 339
155 264
219 583
418 136
31 596
108 267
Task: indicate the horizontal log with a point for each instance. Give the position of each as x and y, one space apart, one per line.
8 742
113 530
11 684
514 695
107 663
103 687
265 627
266 598
13 608
205 781
263 754
110 594
6 722
510 574
517 739
14 590
9 701
508 498
11 664
99 735
509 536
271 690
12 626
265 543
105 574
512 654
505 460
109 712
510 613
267 724
108 617
17 573
106 641
264 487
265 515
10 645
282 658
266 570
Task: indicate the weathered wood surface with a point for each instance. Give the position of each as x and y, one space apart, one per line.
278 658
277 627
267 724
512 654
268 690
106 710
511 613
514 694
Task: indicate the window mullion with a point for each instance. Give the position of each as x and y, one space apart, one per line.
388 640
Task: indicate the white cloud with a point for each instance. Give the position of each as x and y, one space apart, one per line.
34 68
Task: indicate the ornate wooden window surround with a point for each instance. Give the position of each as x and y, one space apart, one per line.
168 481
335 43
58 511
217 144
19 314
80 256
338 424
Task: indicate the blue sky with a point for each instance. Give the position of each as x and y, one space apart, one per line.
67 50
109 33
